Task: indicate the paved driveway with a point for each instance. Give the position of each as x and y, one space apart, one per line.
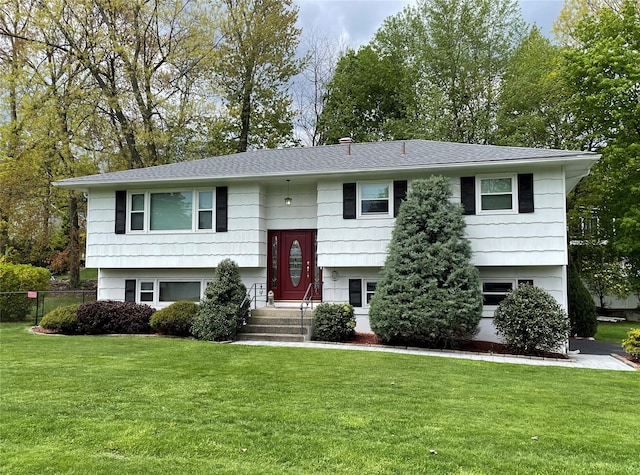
592 347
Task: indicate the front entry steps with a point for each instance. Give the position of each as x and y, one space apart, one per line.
277 324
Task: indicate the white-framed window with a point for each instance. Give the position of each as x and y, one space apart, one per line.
374 199
369 290
495 291
136 211
205 209
171 210
147 291
497 193
155 291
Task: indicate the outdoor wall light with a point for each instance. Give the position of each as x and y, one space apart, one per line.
288 200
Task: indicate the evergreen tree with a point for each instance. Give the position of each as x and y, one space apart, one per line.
224 308
582 310
429 292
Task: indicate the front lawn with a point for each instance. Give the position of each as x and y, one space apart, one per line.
164 405
614 332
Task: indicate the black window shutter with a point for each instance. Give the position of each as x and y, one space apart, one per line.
130 290
525 193
221 209
349 200
399 195
468 194
355 292
121 212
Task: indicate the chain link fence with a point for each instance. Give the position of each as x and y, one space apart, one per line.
32 306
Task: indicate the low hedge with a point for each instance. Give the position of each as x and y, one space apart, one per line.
176 319
334 322
61 319
109 316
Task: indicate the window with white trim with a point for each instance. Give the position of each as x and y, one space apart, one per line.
369 290
374 198
146 292
169 290
136 213
205 210
191 210
495 291
497 193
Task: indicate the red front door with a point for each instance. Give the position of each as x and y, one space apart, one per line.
292 263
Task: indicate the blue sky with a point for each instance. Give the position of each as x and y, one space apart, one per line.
356 21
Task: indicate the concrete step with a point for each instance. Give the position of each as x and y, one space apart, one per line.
277 324
279 329
278 312
275 320
269 337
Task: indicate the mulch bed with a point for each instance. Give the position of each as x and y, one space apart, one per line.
487 347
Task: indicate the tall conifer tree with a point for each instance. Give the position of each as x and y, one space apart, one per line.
430 291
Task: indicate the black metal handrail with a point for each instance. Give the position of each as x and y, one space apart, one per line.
252 294
313 290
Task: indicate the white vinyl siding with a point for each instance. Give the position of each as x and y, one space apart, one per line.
244 241
528 239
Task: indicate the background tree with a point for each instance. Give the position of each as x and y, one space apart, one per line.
458 51
534 104
312 84
257 60
604 73
429 291
365 99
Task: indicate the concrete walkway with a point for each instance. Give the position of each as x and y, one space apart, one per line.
579 360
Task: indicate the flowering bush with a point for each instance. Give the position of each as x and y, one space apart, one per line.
530 319
631 344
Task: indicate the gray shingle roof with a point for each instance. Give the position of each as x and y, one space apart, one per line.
328 159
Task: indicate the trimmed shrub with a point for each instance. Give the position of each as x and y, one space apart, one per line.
334 322
61 319
429 293
109 316
631 344
582 311
176 319
18 278
530 319
224 309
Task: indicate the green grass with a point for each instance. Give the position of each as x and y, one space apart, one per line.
79 405
85 274
614 332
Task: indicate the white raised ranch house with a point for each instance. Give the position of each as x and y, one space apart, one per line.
294 217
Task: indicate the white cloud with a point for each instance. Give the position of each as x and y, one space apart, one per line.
356 21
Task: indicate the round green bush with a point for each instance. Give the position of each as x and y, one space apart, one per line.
631 344
334 322
530 319
61 319
176 319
